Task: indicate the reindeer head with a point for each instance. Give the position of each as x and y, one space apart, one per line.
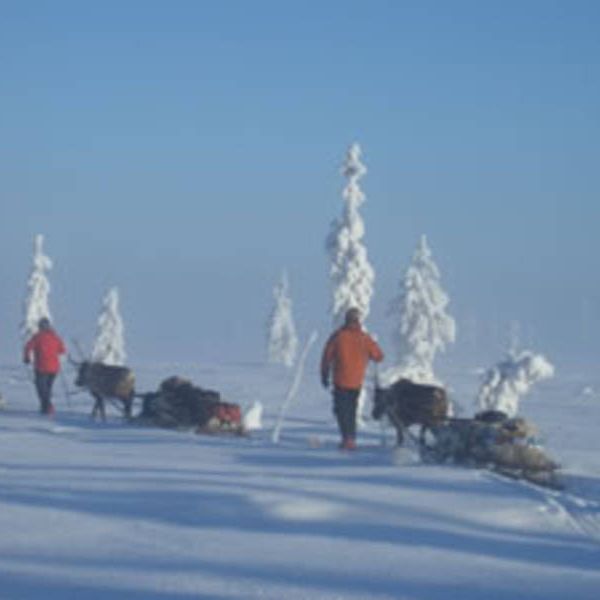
83 370
381 399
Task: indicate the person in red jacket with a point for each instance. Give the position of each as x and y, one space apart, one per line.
46 348
347 353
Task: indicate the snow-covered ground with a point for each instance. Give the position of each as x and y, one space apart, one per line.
117 511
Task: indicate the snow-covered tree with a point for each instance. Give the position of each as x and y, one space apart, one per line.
511 378
282 341
350 273
38 290
424 326
109 345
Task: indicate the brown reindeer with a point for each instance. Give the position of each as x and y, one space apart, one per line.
406 403
106 382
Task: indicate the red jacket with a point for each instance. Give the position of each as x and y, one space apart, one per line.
46 347
348 352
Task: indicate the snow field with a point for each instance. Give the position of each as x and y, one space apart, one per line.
117 511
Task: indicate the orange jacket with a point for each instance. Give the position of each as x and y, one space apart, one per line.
348 352
46 347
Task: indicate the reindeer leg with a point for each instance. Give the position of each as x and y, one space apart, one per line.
398 425
128 402
96 407
422 436
99 407
399 434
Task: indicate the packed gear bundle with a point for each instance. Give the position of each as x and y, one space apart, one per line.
493 440
178 404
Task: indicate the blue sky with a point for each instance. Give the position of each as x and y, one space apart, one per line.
188 151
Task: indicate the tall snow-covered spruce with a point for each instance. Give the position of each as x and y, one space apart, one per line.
424 327
350 273
38 290
282 341
109 345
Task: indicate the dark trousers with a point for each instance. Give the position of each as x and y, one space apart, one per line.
43 386
345 403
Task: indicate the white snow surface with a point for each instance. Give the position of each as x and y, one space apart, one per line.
114 510
109 345
252 417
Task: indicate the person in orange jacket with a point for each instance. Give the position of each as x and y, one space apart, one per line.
347 353
46 348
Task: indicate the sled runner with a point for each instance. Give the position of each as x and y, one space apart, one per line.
547 479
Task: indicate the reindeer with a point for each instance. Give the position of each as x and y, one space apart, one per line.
407 403
106 382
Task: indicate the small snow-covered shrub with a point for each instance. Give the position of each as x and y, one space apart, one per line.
504 383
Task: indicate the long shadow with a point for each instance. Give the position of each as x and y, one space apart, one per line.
169 480
235 511
243 480
296 483
14 587
314 582
207 510
586 486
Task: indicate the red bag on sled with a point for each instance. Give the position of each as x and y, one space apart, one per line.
228 413
224 417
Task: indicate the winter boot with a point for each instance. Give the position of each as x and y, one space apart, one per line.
348 444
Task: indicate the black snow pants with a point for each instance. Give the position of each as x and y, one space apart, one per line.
43 386
345 403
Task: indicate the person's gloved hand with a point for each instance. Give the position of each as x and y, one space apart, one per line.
325 380
26 360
